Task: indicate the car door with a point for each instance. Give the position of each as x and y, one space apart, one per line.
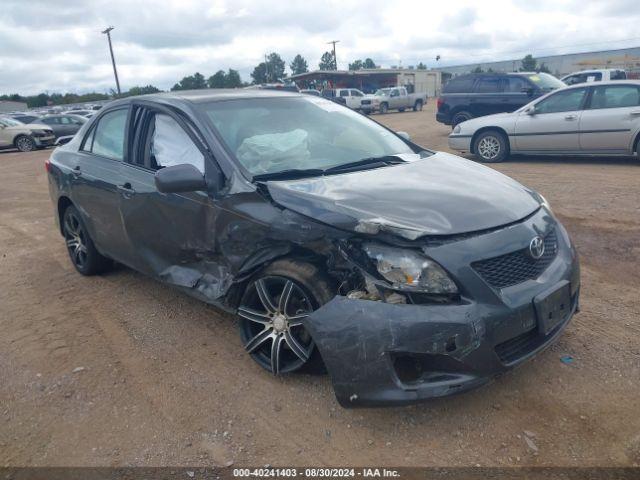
488 98
356 98
170 235
516 92
611 119
553 124
95 178
394 98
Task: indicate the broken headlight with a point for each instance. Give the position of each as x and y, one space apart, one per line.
409 270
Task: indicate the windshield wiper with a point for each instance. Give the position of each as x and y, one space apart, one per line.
290 174
365 163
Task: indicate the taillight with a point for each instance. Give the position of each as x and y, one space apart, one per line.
439 103
47 165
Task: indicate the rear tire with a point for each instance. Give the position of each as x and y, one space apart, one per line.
24 143
417 107
384 108
270 312
491 147
82 251
460 117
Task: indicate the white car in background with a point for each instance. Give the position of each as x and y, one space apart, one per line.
601 75
600 118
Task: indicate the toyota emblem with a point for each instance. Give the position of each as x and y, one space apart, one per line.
536 247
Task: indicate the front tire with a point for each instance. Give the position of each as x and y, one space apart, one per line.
491 147
271 314
82 252
24 143
384 108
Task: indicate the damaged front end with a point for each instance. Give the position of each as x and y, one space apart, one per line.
384 343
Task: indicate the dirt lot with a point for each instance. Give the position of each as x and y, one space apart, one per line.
163 378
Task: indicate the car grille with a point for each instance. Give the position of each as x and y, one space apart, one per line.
365 102
517 267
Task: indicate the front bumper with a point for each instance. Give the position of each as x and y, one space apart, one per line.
44 141
369 108
460 143
380 354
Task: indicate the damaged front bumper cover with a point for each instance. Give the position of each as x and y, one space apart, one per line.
381 354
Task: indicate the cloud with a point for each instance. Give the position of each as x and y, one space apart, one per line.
58 45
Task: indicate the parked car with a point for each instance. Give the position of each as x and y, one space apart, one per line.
585 119
15 134
82 113
478 94
394 98
409 273
26 117
64 125
602 75
311 91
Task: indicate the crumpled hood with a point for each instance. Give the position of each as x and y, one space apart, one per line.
438 195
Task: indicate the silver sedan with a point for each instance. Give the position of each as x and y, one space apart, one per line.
588 119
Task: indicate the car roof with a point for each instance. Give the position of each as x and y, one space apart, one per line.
218 94
606 82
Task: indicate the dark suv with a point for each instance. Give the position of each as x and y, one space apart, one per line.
479 94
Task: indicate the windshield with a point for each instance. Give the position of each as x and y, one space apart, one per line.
272 135
383 91
546 81
10 122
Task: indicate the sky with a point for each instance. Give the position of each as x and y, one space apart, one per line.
57 45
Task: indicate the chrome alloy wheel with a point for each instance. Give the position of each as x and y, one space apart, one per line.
74 236
271 313
489 147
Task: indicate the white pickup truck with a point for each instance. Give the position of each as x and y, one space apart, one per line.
393 98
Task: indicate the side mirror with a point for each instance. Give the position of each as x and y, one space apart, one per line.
404 135
528 91
180 178
531 110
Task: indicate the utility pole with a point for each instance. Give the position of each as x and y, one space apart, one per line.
335 60
266 68
113 60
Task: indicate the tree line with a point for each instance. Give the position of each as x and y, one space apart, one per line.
272 69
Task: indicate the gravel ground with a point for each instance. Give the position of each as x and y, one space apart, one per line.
122 370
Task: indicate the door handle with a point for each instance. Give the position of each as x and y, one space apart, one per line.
76 171
571 117
126 190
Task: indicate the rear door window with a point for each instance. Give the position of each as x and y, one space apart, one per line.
488 85
108 136
460 85
615 96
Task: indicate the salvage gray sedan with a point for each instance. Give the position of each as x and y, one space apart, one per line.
587 119
337 243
